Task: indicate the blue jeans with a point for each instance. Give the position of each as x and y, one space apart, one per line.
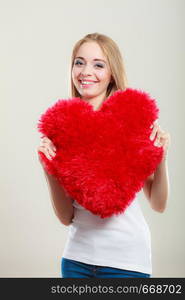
75 269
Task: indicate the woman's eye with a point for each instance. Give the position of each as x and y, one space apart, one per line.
99 65
78 62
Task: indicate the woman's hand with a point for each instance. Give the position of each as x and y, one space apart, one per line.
47 147
162 138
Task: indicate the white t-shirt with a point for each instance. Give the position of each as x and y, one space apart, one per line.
121 241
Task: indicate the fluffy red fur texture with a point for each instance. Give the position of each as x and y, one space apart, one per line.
103 156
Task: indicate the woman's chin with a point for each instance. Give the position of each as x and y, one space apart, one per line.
87 95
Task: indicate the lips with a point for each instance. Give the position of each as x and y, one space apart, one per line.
88 81
87 84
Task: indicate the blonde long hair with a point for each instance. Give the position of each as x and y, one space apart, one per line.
114 57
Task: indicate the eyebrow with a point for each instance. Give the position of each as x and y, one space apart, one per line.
96 59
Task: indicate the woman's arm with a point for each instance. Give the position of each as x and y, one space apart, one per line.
156 187
61 201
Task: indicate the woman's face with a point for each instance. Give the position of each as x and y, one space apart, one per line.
91 73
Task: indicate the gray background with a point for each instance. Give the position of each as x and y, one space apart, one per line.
37 38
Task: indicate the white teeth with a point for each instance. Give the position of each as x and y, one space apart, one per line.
87 82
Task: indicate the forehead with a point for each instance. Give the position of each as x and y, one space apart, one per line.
91 51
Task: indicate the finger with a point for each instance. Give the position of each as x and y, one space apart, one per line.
54 148
154 131
44 143
46 152
51 151
44 138
154 123
161 139
158 143
47 141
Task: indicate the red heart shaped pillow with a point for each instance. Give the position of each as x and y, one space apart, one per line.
103 157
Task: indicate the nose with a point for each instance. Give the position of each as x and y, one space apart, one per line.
86 71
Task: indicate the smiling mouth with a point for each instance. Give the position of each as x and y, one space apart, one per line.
85 83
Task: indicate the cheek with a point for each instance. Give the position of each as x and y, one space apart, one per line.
75 73
104 76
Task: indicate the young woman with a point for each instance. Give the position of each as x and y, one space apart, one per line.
118 246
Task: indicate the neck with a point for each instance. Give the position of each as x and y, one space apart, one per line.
96 101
